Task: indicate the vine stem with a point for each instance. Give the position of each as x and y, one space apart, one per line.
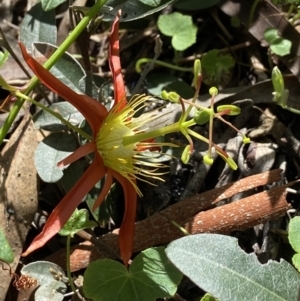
68 264
50 62
57 115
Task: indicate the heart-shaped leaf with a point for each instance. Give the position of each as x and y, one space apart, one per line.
49 152
180 28
150 276
38 26
49 277
278 45
217 265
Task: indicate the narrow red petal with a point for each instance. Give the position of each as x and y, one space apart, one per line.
126 233
115 64
93 111
104 191
78 153
66 207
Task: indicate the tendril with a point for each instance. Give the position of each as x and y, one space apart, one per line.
24 282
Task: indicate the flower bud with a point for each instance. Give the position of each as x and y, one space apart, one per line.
234 110
213 91
186 154
197 71
277 80
208 160
170 96
202 116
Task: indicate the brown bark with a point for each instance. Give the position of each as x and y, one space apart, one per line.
158 229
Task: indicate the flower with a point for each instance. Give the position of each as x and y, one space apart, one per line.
112 158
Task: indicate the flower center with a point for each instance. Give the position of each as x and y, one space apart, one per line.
110 146
130 159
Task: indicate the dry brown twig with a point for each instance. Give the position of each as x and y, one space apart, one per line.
157 229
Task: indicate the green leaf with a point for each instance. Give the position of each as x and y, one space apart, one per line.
51 4
158 82
294 239
150 276
79 220
134 9
46 121
214 61
217 265
108 208
38 26
282 47
216 65
49 152
296 261
66 69
72 174
194 5
278 45
6 252
294 233
180 28
49 277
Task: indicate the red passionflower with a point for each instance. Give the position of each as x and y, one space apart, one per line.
112 159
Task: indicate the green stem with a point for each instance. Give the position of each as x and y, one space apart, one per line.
161 63
50 62
57 115
68 264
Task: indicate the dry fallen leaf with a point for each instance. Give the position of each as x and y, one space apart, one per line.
18 191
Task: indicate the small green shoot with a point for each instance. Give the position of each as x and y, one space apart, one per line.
278 45
281 95
78 221
180 28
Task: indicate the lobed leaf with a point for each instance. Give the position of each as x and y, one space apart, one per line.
150 276
217 265
180 27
